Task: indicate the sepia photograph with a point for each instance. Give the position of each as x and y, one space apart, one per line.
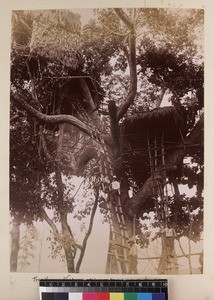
107 141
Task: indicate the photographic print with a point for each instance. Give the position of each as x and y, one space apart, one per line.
106 141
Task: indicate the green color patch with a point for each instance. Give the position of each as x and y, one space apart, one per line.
130 296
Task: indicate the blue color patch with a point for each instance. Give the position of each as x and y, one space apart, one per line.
144 296
159 296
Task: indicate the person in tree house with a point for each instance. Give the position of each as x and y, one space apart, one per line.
132 256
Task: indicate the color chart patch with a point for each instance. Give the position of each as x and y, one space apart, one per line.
103 289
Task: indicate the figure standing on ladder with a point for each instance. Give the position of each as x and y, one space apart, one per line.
133 255
115 186
170 235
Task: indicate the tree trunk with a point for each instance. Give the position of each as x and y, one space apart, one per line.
15 235
68 240
67 236
83 248
177 202
168 261
68 243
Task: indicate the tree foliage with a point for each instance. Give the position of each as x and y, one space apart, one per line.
75 88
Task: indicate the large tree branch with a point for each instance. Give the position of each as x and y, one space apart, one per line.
133 80
87 93
140 199
54 119
50 222
123 16
44 146
84 158
88 233
132 64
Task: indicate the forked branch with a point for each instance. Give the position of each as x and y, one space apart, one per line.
132 64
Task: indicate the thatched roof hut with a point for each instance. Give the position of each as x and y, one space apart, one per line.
53 39
151 130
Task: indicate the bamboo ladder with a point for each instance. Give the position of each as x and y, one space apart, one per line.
118 227
158 172
157 166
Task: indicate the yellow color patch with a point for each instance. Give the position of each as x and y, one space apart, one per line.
116 296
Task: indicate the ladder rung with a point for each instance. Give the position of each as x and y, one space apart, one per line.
115 232
156 165
158 185
112 254
119 245
158 155
119 213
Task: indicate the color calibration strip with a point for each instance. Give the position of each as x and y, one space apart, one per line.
102 296
103 289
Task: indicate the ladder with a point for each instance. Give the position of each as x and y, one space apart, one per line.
157 166
156 152
118 230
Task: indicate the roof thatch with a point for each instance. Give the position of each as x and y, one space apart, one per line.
161 118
